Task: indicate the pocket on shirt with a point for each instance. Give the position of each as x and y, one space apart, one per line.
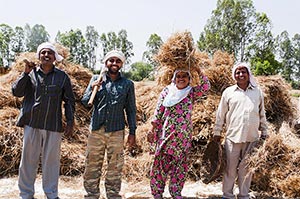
52 90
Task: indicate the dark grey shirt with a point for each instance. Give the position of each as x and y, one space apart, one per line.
43 96
112 101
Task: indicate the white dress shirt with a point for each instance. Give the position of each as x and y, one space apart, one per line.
243 112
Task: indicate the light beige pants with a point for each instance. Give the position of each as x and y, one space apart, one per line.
236 155
45 144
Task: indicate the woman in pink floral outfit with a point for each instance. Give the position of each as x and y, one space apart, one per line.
172 132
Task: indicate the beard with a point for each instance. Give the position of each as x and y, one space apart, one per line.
112 71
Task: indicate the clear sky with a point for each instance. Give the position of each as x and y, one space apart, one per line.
140 18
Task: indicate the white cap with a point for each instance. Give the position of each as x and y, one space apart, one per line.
243 64
114 53
51 47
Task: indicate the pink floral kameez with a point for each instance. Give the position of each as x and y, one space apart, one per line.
173 141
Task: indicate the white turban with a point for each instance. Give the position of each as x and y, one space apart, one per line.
114 53
243 64
51 47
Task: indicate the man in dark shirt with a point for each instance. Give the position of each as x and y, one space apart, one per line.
44 88
114 98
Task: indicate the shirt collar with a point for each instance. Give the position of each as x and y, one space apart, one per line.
119 76
39 69
250 86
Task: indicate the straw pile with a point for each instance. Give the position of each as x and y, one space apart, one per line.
281 109
146 98
276 165
215 162
219 74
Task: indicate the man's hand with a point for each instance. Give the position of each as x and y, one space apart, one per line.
28 66
264 137
132 147
131 141
97 83
217 138
69 131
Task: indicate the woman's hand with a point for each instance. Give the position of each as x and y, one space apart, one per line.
151 133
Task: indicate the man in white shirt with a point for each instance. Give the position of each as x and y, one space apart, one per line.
242 109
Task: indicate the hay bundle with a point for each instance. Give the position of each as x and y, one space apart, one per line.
179 51
276 165
138 167
72 158
63 51
290 185
10 142
146 99
20 64
7 116
80 77
204 117
7 99
214 158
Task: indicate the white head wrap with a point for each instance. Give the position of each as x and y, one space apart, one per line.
51 47
243 64
114 53
175 95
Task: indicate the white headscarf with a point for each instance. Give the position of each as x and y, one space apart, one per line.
251 77
114 53
51 47
175 95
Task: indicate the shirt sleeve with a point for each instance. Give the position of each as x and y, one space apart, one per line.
202 88
20 85
159 110
88 91
69 101
131 109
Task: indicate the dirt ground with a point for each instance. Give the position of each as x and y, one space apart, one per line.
72 188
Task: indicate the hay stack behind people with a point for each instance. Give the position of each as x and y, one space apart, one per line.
278 102
219 73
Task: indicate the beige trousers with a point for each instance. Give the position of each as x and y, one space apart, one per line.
236 155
